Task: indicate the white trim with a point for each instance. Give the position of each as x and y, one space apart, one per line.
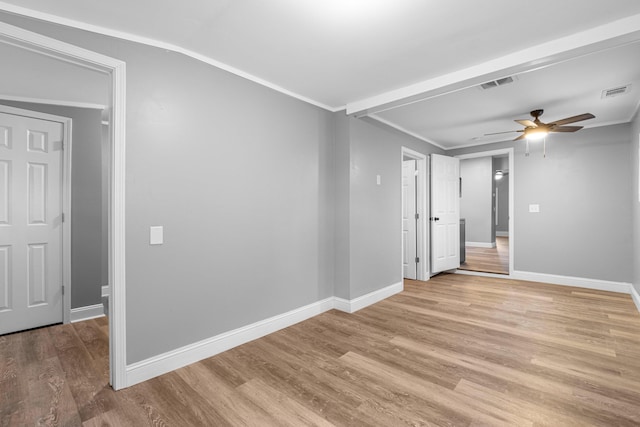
86 313
635 296
511 177
106 291
580 282
162 45
422 192
351 306
65 203
481 244
52 102
175 359
482 273
502 234
405 131
116 69
604 36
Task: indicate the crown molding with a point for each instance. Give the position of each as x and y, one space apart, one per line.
47 17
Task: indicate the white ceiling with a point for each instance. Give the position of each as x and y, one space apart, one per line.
369 55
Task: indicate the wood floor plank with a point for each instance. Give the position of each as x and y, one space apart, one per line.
234 407
488 260
280 406
455 351
89 387
441 395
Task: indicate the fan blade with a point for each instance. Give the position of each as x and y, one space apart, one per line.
566 128
520 137
527 123
499 133
573 119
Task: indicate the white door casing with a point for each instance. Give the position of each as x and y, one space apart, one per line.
116 70
409 241
31 228
445 213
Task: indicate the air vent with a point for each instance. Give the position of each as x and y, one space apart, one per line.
609 93
499 82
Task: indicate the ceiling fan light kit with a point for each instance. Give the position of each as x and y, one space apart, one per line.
535 130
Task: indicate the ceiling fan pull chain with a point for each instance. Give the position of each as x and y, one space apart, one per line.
544 147
526 152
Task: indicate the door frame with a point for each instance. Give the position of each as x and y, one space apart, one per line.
116 70
422 229
66 197
491 153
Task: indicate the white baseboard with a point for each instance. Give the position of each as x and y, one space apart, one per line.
351 306
175 359
502 233
581 282
86 313
106 291
481 273
481 244
636 297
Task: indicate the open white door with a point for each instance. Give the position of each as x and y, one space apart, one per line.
445 213
30 222
409 246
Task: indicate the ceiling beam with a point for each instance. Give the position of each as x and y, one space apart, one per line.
612 34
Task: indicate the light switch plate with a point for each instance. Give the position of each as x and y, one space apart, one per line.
378 179
156 235
534 208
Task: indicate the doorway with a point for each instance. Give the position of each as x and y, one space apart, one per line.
487 209
414 229
115 70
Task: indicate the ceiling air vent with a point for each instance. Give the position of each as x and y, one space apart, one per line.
496 83
609 93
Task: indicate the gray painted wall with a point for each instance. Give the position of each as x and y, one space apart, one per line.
342 208
87 257
375 210
476 203
635 199
583 181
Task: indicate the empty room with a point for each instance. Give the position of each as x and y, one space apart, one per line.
336 213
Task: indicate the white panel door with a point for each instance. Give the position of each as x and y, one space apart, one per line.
30 223
445 213
409 251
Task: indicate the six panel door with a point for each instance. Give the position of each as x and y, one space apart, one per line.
30 222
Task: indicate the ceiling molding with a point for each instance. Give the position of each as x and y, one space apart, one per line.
408 132
599 38
30 13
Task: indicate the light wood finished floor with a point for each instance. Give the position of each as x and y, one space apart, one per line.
488 260
458 351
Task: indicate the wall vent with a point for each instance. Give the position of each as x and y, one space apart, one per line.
499 82
609 93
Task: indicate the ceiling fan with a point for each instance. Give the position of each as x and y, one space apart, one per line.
535 129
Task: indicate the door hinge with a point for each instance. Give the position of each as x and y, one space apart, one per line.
417 260
62 216
417 216
63 290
